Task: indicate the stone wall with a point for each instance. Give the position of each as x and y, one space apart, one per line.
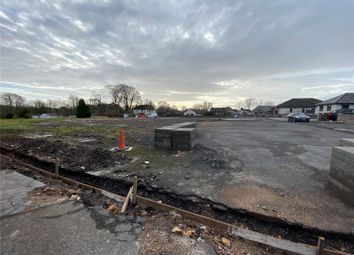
341 173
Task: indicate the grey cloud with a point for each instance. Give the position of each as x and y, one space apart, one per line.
185 46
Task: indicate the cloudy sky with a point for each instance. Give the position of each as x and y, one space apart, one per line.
179 51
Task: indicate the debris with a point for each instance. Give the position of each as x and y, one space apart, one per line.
177 230
174 214
189 232
265 207
113 208
126 201
226 242
282 194
74 197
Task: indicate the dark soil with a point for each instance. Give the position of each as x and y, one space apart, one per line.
79 157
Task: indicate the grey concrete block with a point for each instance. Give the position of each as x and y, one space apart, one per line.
346 142
341 173
343 192
183 138
343 153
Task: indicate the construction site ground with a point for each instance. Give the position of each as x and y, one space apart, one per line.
261 166
41 215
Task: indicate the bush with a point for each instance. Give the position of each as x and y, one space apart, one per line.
82 110
9 115
24 113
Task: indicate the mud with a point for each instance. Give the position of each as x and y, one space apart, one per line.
260 223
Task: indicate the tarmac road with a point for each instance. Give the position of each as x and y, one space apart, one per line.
266 166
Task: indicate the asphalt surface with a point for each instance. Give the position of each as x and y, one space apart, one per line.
270 167
14 188
64 226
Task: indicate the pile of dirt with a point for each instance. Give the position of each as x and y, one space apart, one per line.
74 156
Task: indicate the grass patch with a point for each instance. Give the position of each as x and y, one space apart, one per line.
12 126
156 157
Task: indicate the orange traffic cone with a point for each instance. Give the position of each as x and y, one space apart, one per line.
121 145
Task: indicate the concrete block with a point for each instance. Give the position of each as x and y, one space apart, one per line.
341 173
183 138
341 191
163 137
346 142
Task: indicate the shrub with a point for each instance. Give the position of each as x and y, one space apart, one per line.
24 113
9 115
83 110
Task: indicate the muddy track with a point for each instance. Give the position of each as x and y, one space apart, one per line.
263 224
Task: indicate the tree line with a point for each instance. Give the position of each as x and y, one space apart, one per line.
114 101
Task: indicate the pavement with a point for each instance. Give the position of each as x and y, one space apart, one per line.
269 167
65 226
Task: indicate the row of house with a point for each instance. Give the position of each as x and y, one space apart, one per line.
309 106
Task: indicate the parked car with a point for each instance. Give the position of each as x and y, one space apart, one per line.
298 117
152 115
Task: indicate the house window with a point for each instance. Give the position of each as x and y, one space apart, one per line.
303 110
328 108
291 109
321 108
346 106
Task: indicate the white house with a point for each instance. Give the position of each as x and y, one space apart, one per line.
144 109
191 112
305 105
344 101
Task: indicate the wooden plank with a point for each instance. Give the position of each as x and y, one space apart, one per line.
218 225
126 201
320 245
285 245
135 190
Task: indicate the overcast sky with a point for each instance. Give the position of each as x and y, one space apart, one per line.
179 51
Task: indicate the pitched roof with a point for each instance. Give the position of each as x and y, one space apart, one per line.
263 108
221 109
144 107
299 103
346 98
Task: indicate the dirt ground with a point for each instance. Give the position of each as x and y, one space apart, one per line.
263 166
157 235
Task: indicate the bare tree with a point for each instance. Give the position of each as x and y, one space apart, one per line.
96 98
73 101
37 104
149 102
205 106
115 92
183 108
12 100
162 104
130 95
8 99
19 101
249 102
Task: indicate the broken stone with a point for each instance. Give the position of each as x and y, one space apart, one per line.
189 232
265 207
113 208
74 197
219 207
226 242
177 230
